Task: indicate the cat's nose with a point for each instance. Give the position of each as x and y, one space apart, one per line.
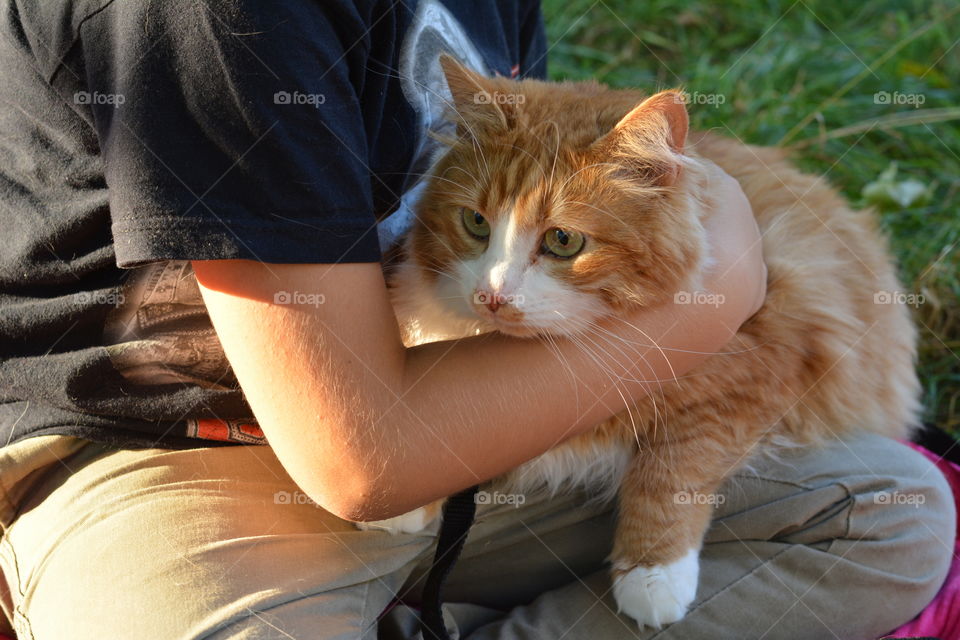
490 300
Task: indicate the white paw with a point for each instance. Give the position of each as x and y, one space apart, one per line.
658 595
414 521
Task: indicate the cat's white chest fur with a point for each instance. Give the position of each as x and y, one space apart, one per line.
596 468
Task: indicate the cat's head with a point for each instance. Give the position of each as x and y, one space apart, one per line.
557 205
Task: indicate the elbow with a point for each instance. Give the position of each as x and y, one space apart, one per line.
356 504
356 496
343 477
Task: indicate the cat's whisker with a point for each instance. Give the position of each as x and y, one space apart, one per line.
655 344
461 185
637 353
618 219
448 275
485 164
552 346
613 345
550 340
532 157
432 176
678 350
658 415
582 169
612 376
640 356
449 248
439 271
451 107
580 344
628 406
456 194
614 380
556 150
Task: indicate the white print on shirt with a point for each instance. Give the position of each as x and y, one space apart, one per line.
433 31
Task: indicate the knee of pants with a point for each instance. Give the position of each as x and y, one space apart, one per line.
869 523
903 522
895 529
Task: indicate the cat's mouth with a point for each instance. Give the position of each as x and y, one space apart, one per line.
514 328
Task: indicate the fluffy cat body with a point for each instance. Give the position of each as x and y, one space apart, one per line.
820 359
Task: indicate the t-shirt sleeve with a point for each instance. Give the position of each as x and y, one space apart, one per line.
232 130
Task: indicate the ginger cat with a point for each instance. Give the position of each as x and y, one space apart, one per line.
571 202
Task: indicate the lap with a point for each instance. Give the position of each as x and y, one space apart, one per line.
218 543
132 544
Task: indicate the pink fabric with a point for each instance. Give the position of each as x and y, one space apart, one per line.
941 618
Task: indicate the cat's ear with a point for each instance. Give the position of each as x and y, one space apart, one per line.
473 96
664 108
650 137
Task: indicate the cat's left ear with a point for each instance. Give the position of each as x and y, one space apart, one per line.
473 96
651 136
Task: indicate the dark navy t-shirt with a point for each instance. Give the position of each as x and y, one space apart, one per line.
137 136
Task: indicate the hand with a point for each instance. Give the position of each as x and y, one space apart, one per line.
739 272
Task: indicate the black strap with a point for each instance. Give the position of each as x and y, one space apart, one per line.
458 515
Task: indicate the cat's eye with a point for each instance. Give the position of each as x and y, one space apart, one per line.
475 224
563 243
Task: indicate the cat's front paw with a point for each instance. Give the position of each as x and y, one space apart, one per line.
415 521
657 595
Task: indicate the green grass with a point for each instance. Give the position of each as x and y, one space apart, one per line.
804 75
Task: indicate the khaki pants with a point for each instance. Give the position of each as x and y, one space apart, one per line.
847 542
